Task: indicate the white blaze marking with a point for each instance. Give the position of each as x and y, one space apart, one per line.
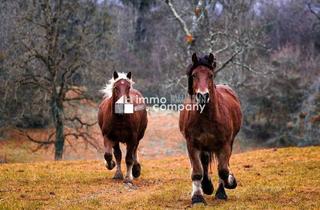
202 92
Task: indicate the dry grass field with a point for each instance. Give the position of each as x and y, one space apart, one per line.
287 178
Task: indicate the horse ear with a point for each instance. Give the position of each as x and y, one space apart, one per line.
129 75
211 58
194 58
115 75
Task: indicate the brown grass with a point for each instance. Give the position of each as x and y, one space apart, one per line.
287 178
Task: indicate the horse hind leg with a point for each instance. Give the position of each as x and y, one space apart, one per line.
118 155
136 169
108 144
206 182
227 179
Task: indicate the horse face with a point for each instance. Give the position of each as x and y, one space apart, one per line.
121 88
202 83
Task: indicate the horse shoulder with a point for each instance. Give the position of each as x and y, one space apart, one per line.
184 115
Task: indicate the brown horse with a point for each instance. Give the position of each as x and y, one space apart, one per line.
122 127
212 131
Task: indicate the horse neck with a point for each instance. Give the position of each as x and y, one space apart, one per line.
214 104
113 102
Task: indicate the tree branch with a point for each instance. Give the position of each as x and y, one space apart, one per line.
229 60
178 17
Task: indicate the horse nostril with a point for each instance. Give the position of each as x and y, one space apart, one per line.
202 98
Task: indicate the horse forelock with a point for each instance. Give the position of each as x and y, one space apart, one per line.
107 90
202 61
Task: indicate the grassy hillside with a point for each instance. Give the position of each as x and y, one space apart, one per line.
286 178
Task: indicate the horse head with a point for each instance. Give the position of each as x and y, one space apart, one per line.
200 77
122 85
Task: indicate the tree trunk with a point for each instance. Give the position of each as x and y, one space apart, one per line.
57 112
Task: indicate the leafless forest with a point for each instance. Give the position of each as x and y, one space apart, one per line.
57 54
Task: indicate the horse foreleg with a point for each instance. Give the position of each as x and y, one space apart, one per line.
196 175
136 169
118 155
129 163
227 180
206 183
108 144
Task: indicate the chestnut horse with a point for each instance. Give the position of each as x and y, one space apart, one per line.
122 127
212 131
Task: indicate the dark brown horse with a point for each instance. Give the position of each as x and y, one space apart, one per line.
122 127
212 131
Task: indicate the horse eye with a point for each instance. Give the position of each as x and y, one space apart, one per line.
194 76
210 76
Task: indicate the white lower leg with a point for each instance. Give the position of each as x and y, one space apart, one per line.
196 188
129 173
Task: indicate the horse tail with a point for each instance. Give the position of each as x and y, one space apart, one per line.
211 160
207 158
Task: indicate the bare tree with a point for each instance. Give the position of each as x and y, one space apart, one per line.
56 54
233 42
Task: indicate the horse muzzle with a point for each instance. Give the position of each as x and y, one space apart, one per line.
202 98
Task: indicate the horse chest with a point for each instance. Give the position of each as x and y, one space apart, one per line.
206 135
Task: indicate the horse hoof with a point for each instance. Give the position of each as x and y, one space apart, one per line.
110 165
221 196
207 186
221 193
118 175
136 170
232 182
198 199
127 181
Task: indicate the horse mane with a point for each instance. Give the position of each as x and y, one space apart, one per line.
107 90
